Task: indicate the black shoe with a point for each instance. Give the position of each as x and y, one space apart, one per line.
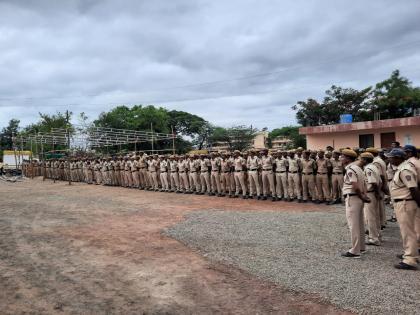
338 200
244 197
304 201
299 201
290 199
405 266
350 255
273 199
367 232
220 195
235 196
383 227
392 220
331 203
372 243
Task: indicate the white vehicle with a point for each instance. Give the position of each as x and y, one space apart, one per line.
10 158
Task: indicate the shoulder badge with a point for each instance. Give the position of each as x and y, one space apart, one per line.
408 178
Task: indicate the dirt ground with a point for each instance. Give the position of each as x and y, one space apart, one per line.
85 249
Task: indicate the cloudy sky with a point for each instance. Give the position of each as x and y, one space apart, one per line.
231 62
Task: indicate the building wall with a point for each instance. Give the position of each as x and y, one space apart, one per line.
404 135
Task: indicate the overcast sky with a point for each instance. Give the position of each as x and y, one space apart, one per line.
231 62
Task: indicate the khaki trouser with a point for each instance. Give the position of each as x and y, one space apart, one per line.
135 177
268 183
205 182
254 182
226 179
407 212
322 187
215 182
164 180
417 226
337 185
308 186
183 181
382 215
98 177
154 180
89 177
371 211
239 183
232 181
143 178
174 181
355 221
128 179
195 182
293 184
281 185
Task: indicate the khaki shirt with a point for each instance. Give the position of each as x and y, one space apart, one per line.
173 166
194 165
308 166
163 165
152 165
337 166
294 165
415 163
134 165
390 171
405 178
253 163
225 165
215 164
380 164
267 163
238 163
204 165
182 166
372 177
281 164
323 165
354 174
143 162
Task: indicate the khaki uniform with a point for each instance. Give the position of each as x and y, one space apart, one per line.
183 176
354 207
163 166
416 165
194 166
267 175
143 178
371 209
281 177
337 178
308 178
215 175
253 163
322 184
226 176
406 210
96 168
380 164
173 166
293 179
127 174
238 164
152 168
134 168
205 176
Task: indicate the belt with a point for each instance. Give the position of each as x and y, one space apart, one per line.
226 172
267 169
181 172
349 195
338 173
307 173
237 171
173 171
133 171
292 172
204 172
253 169
142 168
281 172
322 173
193 171
163 172
370 191
215 171
399 200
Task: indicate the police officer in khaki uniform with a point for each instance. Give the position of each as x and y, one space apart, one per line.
215 163
239 165
354 192
371 209
184 184
281 165
336 177
293 177
253 164
405 195
267 175
308 175
205 175
225 165
322 184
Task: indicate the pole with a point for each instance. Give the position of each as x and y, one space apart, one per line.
68 170
173 140
21 154
151 129
14 149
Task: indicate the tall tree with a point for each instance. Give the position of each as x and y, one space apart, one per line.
7 133
290 132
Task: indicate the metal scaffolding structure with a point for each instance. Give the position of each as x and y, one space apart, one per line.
89 138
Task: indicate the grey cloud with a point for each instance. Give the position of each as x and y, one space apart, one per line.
92 55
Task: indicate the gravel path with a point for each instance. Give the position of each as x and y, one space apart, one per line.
301 251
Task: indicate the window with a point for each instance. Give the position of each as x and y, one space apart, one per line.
366 141
387 138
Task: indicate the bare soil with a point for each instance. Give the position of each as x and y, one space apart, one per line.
87 249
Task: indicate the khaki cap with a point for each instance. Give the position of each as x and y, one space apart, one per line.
372 150
349 152
367 155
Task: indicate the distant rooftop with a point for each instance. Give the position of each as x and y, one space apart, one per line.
363 125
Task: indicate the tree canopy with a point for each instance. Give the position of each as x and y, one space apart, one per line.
394 97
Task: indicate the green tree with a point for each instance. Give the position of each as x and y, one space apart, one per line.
236 137
290 132
395 97
7 134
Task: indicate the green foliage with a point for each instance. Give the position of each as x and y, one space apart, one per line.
291 132
394 97
237 137
48 122
6 135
